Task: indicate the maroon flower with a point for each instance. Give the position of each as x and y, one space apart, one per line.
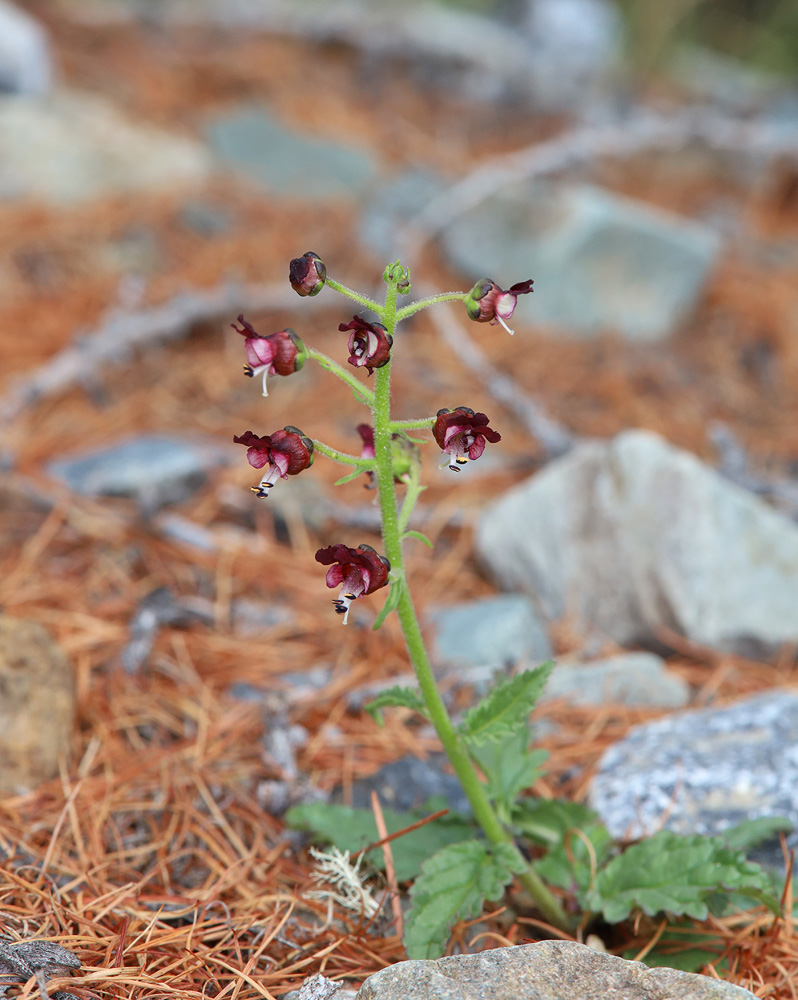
281 353
461 434
286 453
366 431
369 344
357 572
307 274
487 303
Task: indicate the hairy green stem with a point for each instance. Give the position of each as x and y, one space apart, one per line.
332 366
341 456
412 425
392 528
432 300
350 293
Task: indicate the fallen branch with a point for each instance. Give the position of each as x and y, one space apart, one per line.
643 131
122 332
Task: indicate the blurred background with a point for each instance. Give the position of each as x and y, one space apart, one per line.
161 161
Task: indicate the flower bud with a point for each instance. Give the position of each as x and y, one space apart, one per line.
307 274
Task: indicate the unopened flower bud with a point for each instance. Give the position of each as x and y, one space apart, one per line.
307 274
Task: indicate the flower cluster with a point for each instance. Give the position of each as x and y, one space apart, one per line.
460 433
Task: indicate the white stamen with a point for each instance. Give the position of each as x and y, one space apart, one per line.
506 327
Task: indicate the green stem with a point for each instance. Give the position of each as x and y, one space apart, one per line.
423 423
415 307
350 293
332 366
341 456
392 527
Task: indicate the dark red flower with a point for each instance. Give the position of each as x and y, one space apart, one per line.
307 274
286 453
357 572
487 303
462 434
281 353
369 344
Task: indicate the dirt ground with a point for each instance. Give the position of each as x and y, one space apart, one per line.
161 802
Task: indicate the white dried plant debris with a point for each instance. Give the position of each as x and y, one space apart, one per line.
335 868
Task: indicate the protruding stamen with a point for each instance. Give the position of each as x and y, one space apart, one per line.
249 371
506 327
262 491
265 374
342 604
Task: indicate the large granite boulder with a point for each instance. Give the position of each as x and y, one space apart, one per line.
641 540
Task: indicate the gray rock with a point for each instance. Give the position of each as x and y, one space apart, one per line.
254 143
408 783
634 536
37 707
207 220
703 771
25 65
548 970
600 262
391 205
155 469
628 678
73 147
493 632
574 45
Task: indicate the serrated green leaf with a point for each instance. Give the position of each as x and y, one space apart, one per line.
507 707
353 829
453 885
546 821
396 697
751 832
349 477
394 593
420 536
667 873
510 767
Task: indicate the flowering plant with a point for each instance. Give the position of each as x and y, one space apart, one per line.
490 749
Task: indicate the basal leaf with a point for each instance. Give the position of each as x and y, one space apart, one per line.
353 829
667 873
396 697
751 832
574 861
453 885
507 707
